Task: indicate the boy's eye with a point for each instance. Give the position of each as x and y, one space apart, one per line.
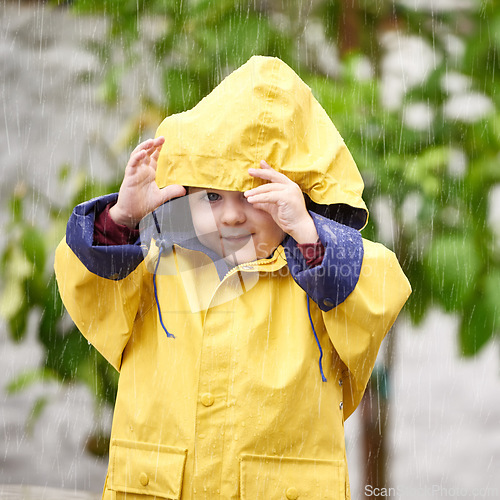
211 197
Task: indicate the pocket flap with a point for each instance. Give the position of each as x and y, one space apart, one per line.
146 469
285 478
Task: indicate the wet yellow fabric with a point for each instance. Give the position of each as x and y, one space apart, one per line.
221 407
234 407
261 111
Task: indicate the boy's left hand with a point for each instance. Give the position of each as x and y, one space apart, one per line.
283 200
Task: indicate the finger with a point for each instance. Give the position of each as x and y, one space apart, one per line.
156 153
172 191
144 145
265 207
136 158
268 173
149 145
151 148
157 143
264 188
266 197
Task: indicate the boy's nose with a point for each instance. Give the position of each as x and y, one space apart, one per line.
233 213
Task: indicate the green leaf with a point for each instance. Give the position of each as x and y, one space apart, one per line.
420 298
65 354
182 88
426 169
18 266
481 317
478 326
35 413
453 263
490 288
246 35
12 298
18 323
28 378
87 373
33 244
16 206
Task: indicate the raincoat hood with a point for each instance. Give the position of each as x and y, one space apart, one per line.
263 111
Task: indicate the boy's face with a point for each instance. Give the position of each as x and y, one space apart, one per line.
226 223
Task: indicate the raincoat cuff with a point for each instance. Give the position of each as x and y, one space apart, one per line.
332 281
111 262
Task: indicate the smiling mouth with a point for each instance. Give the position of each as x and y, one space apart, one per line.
237 239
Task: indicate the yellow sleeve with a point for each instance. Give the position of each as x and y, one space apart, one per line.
103 309
358 325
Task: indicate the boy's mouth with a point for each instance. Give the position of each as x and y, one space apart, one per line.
237 239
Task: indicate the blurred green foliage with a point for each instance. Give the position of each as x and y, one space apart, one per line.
435 179
30 290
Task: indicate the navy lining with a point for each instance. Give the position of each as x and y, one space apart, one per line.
332 281
112 262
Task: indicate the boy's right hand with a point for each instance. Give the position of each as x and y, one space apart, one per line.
139 194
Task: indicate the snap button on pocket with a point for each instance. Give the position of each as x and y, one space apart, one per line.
290 478
145 470
207 399
144 479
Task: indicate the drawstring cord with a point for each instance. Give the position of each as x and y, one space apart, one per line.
156 293
317 341
159 244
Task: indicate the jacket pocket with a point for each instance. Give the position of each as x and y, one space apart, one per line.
284 478
139 469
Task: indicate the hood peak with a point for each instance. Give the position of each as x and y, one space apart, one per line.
263 111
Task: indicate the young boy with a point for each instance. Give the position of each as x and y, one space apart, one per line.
244 326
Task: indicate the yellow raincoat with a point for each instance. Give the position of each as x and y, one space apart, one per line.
235 406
